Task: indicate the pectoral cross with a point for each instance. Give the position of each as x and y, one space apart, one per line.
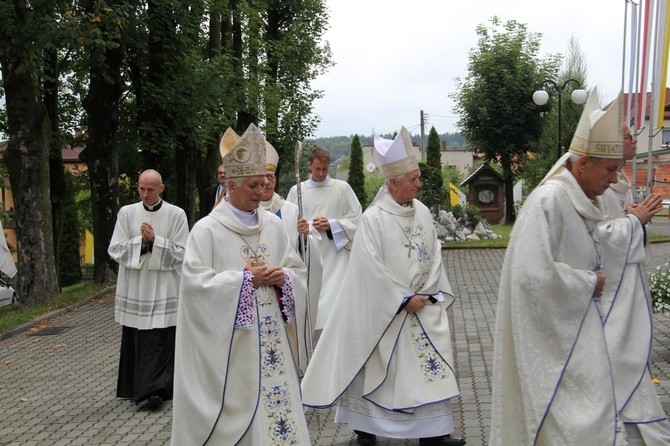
410 247
257 261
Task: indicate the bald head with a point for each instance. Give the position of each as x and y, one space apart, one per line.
151 175
150 186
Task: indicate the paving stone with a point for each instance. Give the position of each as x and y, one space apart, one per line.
58 390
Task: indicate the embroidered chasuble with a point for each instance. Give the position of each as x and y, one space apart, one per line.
386 366
236 381
148 283
553 366
335 200
288 212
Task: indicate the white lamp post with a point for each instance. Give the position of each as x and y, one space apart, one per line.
578 96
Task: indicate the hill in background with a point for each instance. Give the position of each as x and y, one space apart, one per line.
340 146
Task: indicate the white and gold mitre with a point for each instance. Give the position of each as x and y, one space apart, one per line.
395 156
598 132
245 157
271 157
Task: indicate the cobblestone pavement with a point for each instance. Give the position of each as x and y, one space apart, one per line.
58 377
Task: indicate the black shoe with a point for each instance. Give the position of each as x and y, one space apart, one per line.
445 440
365 439
154 402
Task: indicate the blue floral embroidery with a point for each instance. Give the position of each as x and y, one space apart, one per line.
277 398
263 252
432 365
422 252
282 429
272 360
412 233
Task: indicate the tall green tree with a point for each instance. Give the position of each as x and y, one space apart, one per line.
497 115
157 82
26 32
69 264
356 178
534 168
289 56
433 193
104 28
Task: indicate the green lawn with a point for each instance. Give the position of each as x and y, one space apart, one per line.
503 230
15 314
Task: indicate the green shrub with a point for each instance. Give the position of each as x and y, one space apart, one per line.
468 215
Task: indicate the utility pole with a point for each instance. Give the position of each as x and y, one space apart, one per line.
423 140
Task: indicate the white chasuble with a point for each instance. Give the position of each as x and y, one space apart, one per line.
552 379
335 200
371 350
626 311
236 381
147 287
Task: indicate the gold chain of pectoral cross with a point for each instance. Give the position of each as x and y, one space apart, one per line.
410 243
257 261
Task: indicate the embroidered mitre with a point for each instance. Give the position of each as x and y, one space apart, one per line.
395 156
599 132
245 157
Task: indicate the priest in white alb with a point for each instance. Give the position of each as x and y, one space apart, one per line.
236 381
148 243
333 209
385 355
557 377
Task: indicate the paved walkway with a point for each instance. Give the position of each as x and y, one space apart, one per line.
58 379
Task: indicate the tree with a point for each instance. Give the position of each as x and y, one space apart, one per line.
143 79
69 271
103 36
432 193
356 178
25 34
283 62
497 115
373 182
534 168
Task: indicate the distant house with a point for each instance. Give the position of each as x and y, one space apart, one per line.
459 158
72 163
660 153
660 137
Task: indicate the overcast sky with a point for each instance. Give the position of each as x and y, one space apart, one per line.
395 58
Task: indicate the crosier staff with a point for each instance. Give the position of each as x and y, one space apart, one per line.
302 246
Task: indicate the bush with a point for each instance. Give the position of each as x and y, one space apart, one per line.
659 283
468 215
